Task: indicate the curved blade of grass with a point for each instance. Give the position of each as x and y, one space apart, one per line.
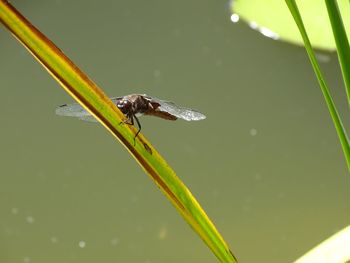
86 92
341 41
325 91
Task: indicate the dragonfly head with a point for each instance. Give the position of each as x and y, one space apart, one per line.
125 106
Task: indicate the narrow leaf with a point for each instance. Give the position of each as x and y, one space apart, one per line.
341 41
325 91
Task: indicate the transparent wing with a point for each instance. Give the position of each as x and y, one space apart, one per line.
88 118
75 110
72 110
178 111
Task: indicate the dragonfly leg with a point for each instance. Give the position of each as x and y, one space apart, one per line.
139 126
129 121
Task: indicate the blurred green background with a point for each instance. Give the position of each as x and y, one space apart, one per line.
266 164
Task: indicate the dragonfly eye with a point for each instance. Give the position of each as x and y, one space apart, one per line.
124 106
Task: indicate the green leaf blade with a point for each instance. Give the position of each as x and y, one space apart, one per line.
341 41
325 91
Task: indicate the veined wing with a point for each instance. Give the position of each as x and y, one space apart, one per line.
72 110
177 111
75 110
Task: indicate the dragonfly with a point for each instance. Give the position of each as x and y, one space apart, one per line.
134 106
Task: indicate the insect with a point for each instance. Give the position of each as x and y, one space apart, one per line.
134 106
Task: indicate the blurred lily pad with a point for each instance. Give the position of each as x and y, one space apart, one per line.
273 19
